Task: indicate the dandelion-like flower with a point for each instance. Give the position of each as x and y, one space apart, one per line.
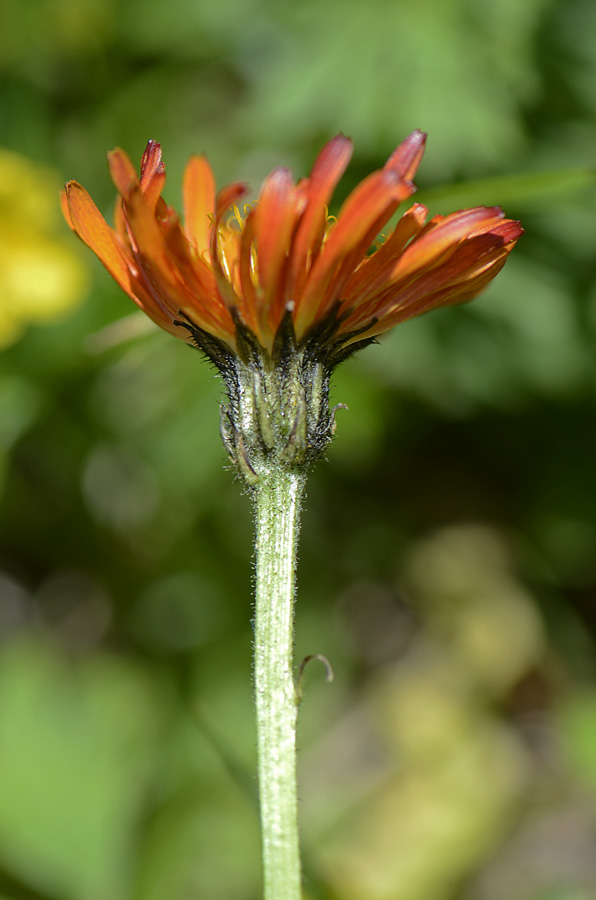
276 295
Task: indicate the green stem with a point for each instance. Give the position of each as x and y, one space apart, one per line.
277 496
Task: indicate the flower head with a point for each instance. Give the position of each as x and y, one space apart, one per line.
282 266
278 292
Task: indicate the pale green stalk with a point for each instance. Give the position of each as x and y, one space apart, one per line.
275 424
277 498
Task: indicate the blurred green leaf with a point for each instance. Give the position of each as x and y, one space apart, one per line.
21 401
517 191
566 893
579 729
78 748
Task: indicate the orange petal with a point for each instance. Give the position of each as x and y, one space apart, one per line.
64 206
247 293
369 201
406 158
174 285
151 164
120 222
124 175
509 229
153 174
223 201
227 197
198 192
447 296
375 270
328 168
330 164
93 229
201 300
151 254
456 277
274 219
460 277
364 212
442 235
471 258
153 196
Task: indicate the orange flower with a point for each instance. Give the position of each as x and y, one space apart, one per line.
278 294
283 269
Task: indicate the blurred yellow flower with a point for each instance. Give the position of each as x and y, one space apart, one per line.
41 277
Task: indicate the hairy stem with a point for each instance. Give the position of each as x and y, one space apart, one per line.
277 497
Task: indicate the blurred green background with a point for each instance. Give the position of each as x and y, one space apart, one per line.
448 553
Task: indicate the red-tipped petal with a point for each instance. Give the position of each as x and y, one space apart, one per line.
405 159
443 295
364 212
367 203
329 166
173 282
510 230
442 235
462 275
453 276
150 251
151 164
92 228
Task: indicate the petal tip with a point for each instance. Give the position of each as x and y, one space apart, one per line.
406 157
